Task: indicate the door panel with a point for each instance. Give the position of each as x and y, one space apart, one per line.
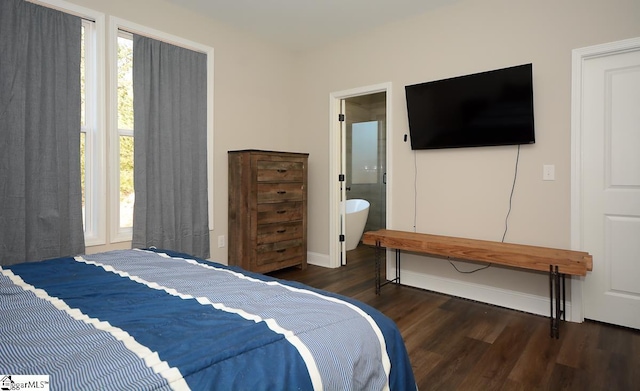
621 235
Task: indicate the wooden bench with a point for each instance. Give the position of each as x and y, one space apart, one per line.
557 262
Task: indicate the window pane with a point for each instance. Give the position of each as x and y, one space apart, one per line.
125 83
127 194
90 179
82 79
125 127
83 176
364 152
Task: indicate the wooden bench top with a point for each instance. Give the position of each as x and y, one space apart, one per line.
570 262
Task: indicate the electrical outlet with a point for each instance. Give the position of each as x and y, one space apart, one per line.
548 172
221 242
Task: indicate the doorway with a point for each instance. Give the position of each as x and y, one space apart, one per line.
365 165
360 148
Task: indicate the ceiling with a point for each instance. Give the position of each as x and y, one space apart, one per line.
304 24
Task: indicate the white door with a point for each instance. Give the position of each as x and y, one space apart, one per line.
610 148
343 183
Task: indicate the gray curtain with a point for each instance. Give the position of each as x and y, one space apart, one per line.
40 189
170 147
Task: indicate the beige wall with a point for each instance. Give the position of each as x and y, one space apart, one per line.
465 192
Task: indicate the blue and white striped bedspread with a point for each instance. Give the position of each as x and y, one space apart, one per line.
138 319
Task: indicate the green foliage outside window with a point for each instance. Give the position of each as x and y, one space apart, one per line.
82 116
125 115
125 84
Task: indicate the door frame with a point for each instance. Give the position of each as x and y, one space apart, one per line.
335 98
579 56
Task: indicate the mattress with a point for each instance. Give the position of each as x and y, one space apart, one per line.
153 319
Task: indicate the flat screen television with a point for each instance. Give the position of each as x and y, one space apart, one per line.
483 109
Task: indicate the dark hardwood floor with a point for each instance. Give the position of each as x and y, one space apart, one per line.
458 344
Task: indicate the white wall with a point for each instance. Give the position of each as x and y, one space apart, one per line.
465 192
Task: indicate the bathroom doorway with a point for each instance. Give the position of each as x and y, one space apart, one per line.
368 110
365 152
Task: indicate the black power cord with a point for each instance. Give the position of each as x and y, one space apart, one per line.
513 186
506 220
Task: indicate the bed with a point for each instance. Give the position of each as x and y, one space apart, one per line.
153 319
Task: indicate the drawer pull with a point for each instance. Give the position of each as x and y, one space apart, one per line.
281 212
281 250
281 231
282 192
281 170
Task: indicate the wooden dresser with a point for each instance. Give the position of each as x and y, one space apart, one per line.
267 210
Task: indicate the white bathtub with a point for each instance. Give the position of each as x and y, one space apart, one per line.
357 213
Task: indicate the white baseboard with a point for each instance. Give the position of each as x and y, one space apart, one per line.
539 305
519 301
318 259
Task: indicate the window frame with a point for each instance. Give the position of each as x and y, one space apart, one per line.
95 124
93 128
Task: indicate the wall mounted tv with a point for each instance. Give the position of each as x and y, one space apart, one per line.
482 109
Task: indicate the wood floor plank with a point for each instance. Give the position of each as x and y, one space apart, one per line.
614 339
578 341
567 378
510 385
489 324
536 362
619 373
635 360
493 369
454 367
423 362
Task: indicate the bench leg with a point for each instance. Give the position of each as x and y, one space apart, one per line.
557 296
380 252
397 280
378 260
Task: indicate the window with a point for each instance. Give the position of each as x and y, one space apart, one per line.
93 146
126 195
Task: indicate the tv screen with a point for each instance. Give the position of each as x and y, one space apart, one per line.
482 109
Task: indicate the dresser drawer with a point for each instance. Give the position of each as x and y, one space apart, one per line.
278 232
280 171
276 213
280 192
280 251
